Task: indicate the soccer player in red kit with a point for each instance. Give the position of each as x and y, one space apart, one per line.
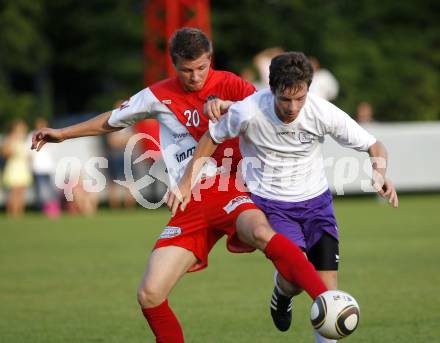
185 242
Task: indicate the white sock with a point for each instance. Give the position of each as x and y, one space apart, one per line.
275 280
320 339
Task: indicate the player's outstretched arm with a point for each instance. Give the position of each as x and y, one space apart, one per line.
384 186
93 127
182 195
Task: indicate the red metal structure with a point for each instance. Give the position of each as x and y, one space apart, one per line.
161 19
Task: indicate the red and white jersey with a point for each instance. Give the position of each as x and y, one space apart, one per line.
180 114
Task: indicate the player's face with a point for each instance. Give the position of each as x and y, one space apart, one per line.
193 73
289 102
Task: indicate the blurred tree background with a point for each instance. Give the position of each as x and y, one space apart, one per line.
69 56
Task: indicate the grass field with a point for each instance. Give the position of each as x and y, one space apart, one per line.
75 279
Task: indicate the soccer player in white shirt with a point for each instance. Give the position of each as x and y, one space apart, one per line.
281 130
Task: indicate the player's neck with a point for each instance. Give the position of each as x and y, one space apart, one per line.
285 119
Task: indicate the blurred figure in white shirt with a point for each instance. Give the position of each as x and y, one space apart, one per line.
324 84
262 62
115 146
43 169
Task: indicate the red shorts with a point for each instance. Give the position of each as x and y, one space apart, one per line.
204 222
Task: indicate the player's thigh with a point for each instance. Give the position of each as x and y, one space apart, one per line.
324 255
165 267
283 219
253 228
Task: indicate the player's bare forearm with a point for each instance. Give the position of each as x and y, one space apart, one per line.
379 157
205 148
384 186
92 127
182 195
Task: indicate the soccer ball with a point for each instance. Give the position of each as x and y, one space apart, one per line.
335 314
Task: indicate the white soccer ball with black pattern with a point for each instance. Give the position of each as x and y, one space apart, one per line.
335 314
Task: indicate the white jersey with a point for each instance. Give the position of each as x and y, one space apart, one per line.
43 161
324 84
284 161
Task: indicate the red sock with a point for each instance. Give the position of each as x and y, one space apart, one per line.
290 261
164 323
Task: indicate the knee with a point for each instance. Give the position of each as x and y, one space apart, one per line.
261 235
253 229
150 296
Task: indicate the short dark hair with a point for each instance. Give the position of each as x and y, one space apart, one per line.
189 43
289 70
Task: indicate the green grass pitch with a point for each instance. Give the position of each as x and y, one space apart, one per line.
75 279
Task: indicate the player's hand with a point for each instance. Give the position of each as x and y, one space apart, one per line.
45 135
180 195
385 188
215 107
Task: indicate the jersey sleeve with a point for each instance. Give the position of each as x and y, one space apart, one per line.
343 128
140 106
232 123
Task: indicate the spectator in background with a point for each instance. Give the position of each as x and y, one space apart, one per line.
324 84
17 173
115 145
2 164
364 113
43 170
248 74
82 202
262 62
